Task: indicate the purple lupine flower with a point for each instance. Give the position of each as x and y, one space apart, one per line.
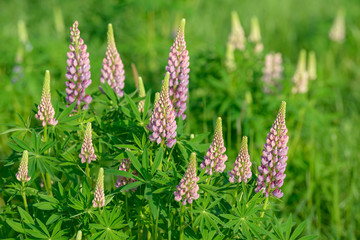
178 67
22 174
273 161
242 165
78 70
87 150
121 181
112 71
162 122
142 94
187 190
215 157
46 111
99 195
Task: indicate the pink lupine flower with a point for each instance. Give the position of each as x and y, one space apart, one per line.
215 157
187 190
87 150
272 71
46 111
22 174
99 195
125 166
273 161
162 122
242 165
113 72
178 68
78 70
237 37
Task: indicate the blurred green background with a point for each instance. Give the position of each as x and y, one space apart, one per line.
322 184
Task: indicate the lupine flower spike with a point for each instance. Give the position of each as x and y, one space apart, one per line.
87 150
242 165
255 35
162 122
237 38
22 174
215 157
272 71
46 111
78 70
125 166
301 76
178 68
99 195
273 161
338 29
187 190
230 58
312 66
112 71
141 94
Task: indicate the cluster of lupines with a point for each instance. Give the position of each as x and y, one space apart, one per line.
272 70
178 68
215 157
338 29
46 111
99 195
125 166
22 174
187 190
273 161
242 165
78 70
87 150
255 35
162 122
112 71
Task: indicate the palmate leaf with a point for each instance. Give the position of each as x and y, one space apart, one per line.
25 216
157 160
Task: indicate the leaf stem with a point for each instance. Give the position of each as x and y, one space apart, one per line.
265 206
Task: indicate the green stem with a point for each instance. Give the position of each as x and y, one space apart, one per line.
127 211
45 183
23 194
182 222
87 170
48 180
265 206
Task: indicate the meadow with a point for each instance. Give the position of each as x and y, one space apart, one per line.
321 188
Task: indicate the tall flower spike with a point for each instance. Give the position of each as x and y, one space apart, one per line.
255 35
125 166
272 71
338 29
242 165
22 174
99 195
301 76
187 190
87 150
312 66
141 94
78 70
273 161
46 111
215 157
237 38
112 71
178 68
162 122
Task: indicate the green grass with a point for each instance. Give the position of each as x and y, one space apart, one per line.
322 183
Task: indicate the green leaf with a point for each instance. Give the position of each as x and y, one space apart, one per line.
133 107
65 113
288 227
122 174
145 159
21 144
146 105
25 216
298 230
52 219
135 162
157 160
43 227
310 237
15 225
45 206
49 198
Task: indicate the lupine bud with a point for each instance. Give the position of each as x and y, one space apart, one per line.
301 76
338 29
125 166
79 235
46 111
230 58
99 195
255 35
141 94
237 38
22 174
241 171
215 157
187 190
273 161
112 71
272 71
312 66
178 68
162 122
78 70
87 150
